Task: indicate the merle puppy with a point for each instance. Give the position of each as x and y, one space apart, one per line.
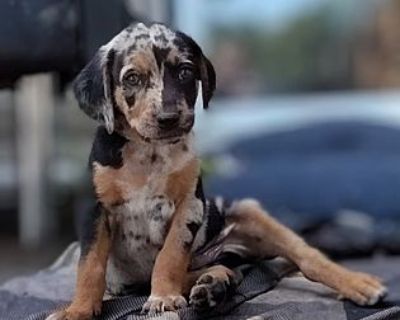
152 220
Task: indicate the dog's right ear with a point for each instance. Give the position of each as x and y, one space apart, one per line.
208 80
94 88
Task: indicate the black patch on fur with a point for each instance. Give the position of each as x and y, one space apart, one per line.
106 148
174 90
117 66
232 260
88 228
161 37
109 78
153 158
142 36
193 227
215 221
160 54
94 81
130 100
199 193
131 48
89 88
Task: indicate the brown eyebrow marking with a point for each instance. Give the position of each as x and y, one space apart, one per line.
142 62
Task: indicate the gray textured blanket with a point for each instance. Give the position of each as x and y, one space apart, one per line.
264 294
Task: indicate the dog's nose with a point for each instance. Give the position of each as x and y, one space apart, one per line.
167 120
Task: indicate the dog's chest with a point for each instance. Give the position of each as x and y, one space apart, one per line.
140 227
140 223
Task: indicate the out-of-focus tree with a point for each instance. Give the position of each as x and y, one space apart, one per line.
337 46
377 50
306 55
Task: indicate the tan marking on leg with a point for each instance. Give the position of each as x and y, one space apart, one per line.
169 273
90 284
182 182
170 270
264 236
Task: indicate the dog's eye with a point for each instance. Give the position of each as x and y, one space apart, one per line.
132 78
186 73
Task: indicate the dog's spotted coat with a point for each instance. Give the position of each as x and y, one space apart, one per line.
152 222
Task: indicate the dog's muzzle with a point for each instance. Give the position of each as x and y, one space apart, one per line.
173 124
168 120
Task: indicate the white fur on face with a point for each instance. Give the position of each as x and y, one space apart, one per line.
141 36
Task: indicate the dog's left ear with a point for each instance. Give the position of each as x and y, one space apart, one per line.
94 86
207 78
206 70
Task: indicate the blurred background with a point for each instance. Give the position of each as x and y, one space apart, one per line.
306 116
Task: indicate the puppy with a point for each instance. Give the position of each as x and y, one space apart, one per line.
152 222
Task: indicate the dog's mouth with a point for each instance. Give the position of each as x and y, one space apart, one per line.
164 136
151 132
173 134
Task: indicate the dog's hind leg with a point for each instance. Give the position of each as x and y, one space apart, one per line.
257 234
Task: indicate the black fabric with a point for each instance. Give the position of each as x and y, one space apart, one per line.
257 279
215 221
264 294
392 303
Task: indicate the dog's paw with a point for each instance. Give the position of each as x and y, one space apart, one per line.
363 289
208 292
75 314
157 304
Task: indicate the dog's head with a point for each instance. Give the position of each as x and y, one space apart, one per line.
147 78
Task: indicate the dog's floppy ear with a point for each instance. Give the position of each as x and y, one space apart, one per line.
94 87
208 79
206 70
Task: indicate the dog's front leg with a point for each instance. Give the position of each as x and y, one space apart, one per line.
170 270
90 284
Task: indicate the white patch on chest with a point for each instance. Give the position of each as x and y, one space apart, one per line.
138 236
